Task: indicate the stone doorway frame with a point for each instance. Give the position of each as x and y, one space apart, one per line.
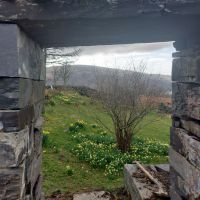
22 81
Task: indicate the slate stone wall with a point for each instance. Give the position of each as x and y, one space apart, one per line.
185 131
22 82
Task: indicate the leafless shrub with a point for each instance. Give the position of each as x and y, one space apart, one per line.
127 97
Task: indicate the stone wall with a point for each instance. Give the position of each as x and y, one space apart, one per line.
22 81
185 131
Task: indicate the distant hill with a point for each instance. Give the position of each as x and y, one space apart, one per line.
84 75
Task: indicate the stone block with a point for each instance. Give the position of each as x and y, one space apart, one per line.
37 189
13 148
20 56
178 189
12 183
188 175
189 52
33 170
17 93
37 142
186 69
191 126
174 195
38 109
186 100
186 145
16 120
38 124
130 181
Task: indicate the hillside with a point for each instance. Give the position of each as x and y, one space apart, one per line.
85 75
81 155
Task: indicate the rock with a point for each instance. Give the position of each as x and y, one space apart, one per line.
186 145
1 126
33 169
20 56
18 93
137 190
186 69
96 195
37 189
16 120
186 100
191 126
12 183
13 148
187 177
164 167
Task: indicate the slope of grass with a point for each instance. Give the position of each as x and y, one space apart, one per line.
64 171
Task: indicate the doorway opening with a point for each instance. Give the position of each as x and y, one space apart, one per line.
84 90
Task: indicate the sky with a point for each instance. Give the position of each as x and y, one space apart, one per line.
156 56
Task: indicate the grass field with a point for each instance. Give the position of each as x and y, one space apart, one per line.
61 168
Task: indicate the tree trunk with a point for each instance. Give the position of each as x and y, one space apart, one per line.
124 139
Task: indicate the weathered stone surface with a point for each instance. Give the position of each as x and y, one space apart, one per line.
38 124
37 142
16 120
174 195
177 189
33 170
13 148
132 186
191 126
67 9
189 176
96 23
186 69
96 195
21 104
37 189
164 167
38 109
20 56
12 183
186 100
17 93
188 52
180 188
188 146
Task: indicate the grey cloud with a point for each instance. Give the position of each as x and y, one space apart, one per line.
125 49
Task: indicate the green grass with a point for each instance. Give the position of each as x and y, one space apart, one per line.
58 157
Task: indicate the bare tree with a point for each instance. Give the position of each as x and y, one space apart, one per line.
55 75
63 60
127 97
64 73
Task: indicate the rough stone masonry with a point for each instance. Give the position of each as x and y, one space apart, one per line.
22 75
185 132
62 23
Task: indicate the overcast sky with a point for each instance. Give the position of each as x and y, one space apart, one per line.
158 56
